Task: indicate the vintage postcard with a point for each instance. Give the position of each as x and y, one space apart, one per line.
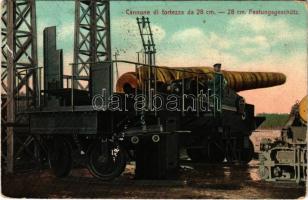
154 99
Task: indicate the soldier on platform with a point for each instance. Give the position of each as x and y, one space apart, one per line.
217 85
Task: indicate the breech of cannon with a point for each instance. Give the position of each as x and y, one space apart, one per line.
238 81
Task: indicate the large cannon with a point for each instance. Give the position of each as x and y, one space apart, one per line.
222 135
237 81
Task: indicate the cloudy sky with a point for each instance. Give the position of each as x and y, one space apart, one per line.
240 42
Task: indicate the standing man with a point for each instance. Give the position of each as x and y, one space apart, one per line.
217 86
219 81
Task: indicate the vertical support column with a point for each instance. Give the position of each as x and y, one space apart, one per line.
74 84
19 65
93 32
34 53
10 84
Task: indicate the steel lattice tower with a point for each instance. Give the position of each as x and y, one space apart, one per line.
19 63
92 38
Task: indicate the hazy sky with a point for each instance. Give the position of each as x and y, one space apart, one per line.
240 42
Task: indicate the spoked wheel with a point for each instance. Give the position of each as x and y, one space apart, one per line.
60 156
247 153
106 160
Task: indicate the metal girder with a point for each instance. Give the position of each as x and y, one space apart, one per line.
19 54
92 37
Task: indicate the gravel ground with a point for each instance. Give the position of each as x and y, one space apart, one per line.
194 181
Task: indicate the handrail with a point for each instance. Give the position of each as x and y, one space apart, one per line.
147 65
24 71
137 67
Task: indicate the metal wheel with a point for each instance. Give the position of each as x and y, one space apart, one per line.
60 156
106 160
247 153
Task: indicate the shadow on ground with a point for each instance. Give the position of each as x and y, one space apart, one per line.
195 181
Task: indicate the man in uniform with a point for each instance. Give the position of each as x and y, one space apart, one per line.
217 86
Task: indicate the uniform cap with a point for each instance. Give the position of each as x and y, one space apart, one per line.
217 65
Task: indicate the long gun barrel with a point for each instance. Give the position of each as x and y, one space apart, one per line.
238 81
